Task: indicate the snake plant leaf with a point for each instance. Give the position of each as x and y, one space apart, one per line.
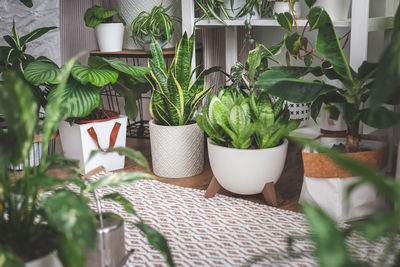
39 72
380 118
183 61
386 86
117 179
285 20
17 106
93 75
159 76
35 34
254 61
158 109
158 58
221 114
82 99
70 215
176 98
157 240
329 47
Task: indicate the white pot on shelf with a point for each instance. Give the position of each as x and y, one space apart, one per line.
282 7
110 36
78 143
337 9
247 171
176 151
130 9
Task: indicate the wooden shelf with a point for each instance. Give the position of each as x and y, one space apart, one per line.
260 22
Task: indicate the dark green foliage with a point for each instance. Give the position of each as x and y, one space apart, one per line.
97 14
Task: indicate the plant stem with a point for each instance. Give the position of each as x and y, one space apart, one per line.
353 137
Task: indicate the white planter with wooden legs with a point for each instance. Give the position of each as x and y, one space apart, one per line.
246 171
79 140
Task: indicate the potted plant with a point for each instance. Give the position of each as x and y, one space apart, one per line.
109 34
285 82
89 127
157 23
246 147
209 8
177 147
33 204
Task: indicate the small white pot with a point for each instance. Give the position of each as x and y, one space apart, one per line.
337 9
50 259
247 171
78 144
282 7
110 36
177 151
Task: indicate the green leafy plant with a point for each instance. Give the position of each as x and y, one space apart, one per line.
27 3
330 240
285 82
83 90
157 23
97 15
14 56
238 121
175 96
33 204
210 8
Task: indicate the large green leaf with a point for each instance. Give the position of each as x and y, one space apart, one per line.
39 72
70 215
81 99
329 241
95 76
328 44
21 114
96 14
35 34
70 253
380 118
122 66
349 111
285 20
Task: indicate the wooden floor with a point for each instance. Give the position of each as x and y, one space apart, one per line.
288 187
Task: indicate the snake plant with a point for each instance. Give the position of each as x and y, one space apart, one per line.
175 96
239 121
84 88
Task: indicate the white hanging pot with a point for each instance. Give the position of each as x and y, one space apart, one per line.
50 259
110 36
79 140
337 9
130 9
177 151
282 7
247 171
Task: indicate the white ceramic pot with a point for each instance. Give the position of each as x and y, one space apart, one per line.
282 7
177 151
337 9
77 143
50 259
130 9
110 36
247 171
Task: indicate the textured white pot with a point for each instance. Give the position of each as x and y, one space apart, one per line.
282 7
78 144
110 36
246 171
50 259
337 9
177 151
130 9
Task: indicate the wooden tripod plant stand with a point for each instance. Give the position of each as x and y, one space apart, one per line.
268 191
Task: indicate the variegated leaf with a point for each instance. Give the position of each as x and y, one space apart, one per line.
41 72
95 76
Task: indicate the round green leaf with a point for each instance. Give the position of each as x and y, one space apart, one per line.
41 72
95 76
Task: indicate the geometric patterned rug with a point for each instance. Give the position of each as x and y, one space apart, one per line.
221 231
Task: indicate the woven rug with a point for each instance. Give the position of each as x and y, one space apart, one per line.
221 231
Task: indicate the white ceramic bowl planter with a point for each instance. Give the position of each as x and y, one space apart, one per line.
177 151
247 171
110 36
282 7
337 9
78 142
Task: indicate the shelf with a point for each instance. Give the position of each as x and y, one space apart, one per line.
260 22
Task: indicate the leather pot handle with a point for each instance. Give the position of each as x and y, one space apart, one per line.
113 136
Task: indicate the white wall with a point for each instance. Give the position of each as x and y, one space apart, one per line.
44 13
